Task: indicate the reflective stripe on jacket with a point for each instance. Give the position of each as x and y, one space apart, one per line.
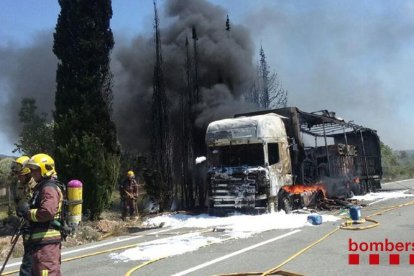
45 207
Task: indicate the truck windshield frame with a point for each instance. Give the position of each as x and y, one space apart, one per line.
237 155
273 153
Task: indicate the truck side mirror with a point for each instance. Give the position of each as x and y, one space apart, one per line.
292 144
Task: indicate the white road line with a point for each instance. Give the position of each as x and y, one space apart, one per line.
379 200
235 253
396 182
99 245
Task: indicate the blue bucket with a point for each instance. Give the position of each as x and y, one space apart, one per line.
315 219
355 212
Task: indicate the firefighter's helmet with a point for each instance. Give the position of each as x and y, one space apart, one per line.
17 166
43 162
130 174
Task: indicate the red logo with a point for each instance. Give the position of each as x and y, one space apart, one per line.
382 252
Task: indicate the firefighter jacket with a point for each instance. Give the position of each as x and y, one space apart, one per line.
44 213
24 191
129 189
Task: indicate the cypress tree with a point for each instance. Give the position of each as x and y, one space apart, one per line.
85 135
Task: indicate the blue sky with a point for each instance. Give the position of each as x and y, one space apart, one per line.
353 57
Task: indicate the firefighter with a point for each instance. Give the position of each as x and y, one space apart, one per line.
129 194
43 214
25 182
22 194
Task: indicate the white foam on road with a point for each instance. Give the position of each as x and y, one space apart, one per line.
164 247
246 249
237 226
382 196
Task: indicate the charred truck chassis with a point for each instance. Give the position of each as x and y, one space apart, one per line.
342 157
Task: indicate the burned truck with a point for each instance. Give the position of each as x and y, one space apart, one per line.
286 159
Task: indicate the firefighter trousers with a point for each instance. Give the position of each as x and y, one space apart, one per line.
46 260
26 266
129 207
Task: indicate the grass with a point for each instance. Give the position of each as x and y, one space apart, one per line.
87 231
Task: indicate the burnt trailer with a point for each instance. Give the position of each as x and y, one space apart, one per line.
254 154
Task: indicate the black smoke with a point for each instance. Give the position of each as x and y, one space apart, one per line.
26 73
225 69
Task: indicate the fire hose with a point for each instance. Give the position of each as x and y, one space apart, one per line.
344 226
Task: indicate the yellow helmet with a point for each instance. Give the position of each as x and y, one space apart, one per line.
130 174
17 165
44 162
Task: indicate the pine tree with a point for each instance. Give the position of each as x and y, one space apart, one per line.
228 27
228 23
161 138
85 135
188 129
197 96
267 91
37 134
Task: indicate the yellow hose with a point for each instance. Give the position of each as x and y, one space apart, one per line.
141 265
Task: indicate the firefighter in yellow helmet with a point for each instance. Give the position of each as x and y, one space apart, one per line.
25 183
43 210
22 192
129 194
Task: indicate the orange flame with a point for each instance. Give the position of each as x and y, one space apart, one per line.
299 188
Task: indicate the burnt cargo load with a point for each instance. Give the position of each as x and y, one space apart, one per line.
253 155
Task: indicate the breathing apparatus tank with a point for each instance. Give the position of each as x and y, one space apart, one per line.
74 194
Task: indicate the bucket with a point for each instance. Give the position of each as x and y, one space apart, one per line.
355 212
315 219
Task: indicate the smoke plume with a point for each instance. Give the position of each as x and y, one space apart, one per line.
225 69
26 73
350 58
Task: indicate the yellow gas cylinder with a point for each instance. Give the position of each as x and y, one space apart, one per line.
74 202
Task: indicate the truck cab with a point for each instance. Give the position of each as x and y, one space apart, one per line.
249 161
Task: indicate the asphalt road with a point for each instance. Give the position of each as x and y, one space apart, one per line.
266 250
